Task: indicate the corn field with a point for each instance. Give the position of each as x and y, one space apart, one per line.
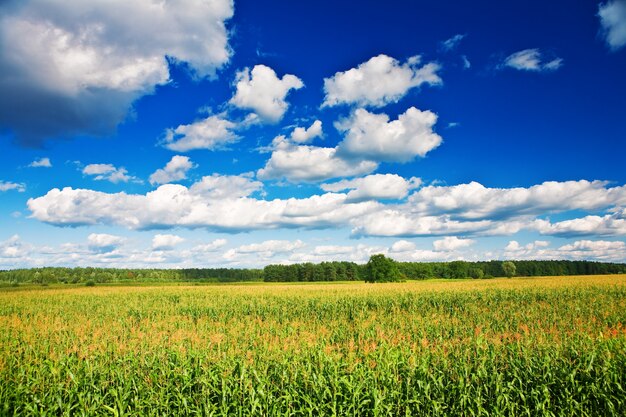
514 347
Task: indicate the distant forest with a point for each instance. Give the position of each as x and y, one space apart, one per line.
325 271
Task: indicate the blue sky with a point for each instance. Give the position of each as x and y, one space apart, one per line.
194 133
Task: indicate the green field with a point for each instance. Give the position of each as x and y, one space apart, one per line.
535 346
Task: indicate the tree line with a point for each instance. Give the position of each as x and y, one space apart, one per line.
380 268
103 275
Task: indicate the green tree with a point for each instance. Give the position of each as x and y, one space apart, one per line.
509 268
381 269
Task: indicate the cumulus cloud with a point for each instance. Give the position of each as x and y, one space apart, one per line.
399 221
261 91
13 248
225 186
90 60
7 186
174 205
374 187
102 242
369 139
41 163
613 224
166 242
595 249
532 60
302 135
379 81
108 172
229 204
372 136
613 21
213 246
403 246
475 201
598 250
213 132
303 163
175 170
451 243
357 253
450 44
268 248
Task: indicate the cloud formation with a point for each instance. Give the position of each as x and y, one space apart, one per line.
89 61
451 243
613 22
532 60
374 187
166 242
102 242
450 44
8 185
175 170
108 172
373 137
213 132
229 204
263 92
303 163
41 163
379 81
302 135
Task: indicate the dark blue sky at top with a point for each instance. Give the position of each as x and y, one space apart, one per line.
501 127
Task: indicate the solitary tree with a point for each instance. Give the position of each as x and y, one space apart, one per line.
508 268
381 269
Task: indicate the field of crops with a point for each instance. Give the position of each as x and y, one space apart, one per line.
540 346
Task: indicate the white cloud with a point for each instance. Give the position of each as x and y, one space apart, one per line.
466 62
403 246
374 187
108 172
475 201
374 137
378 81
613 224
166 242
598 249
453 42
213 132
262 251
398 221
213 246
613 21
451 243
175 170
310 163
226 204
261 91
302 135
358 253
90 60
41 163
7 186
13 248
533 250
328 250
532 60
225 186
174 205
102 242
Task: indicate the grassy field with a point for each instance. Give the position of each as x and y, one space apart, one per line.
540 346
